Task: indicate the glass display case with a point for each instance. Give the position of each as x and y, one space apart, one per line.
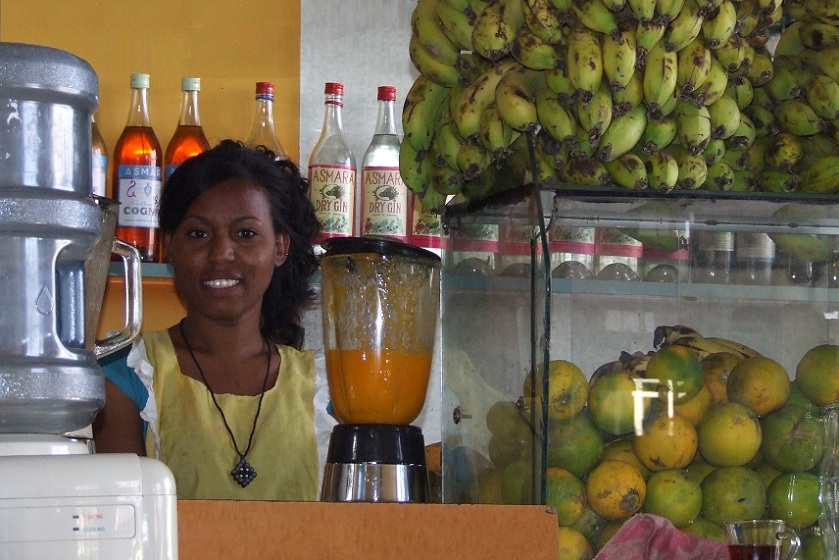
734 283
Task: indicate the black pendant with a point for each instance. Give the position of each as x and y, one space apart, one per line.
243 473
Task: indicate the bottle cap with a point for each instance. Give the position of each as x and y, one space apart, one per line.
387 93
139 81
190 84
333 88
265 87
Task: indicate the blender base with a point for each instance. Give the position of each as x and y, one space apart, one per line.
375 463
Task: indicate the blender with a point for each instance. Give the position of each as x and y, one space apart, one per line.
381 300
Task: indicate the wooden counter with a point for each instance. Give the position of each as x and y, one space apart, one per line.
229 530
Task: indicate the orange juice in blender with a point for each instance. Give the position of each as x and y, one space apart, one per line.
380 307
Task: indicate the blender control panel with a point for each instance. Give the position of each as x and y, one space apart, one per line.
66 523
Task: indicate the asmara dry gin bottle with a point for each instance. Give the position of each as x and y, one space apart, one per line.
332 171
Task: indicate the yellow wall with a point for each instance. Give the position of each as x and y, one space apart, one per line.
229 45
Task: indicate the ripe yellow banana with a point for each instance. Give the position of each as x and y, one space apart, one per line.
775 180
415 167
659 133
732 53
692 168
642 10
662 170
821 177
446 144
623 134
533 52
720 176
496 27
595 115
620 55
714 85
706 346
693 65
545 20
725 117
741 91
659 76
694 126
628 171
496 135
421 110
718 25
783 151
585 60
799 118
432 67
476 97
668 10
558 80
595 15
554 116
684 28
515 97
457 23
822 94
428 31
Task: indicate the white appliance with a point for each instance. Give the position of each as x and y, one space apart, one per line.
58 501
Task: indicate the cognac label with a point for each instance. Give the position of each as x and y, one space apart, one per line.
139 195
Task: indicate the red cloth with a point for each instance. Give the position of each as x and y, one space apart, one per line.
651 537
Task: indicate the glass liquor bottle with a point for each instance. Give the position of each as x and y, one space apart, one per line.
189 139
384 197
263 132
99 161
137 175
754 255
332 171
712 256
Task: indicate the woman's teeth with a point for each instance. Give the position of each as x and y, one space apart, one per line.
221 283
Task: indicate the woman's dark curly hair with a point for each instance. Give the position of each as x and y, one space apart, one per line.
292 212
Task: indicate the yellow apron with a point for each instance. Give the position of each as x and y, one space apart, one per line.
196 446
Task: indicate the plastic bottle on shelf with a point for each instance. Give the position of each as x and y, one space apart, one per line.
385 201
189 139
332 171
661 266
262 131
754 255
572 251
137 176
711 256
426 227
99 161
617 255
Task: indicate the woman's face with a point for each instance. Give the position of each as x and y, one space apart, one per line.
225 250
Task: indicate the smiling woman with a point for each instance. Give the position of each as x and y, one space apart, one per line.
224 394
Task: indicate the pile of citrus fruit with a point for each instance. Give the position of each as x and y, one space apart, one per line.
698 437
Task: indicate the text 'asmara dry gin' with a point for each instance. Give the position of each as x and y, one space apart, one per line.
332 171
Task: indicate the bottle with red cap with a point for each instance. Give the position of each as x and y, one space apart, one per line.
332 171
263 132
189 139
384 197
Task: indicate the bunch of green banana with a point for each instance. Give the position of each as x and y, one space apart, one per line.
681 335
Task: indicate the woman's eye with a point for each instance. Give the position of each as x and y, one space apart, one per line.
247 233
196 234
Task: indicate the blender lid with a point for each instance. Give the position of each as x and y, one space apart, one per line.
386 247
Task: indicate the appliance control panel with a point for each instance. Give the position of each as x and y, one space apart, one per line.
66 523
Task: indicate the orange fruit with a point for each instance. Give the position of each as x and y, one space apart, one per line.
667 442
817 374
574 444
589 524
566 494
760 383
767 474
517 482
505 422
567 390
715 368
623 450
694 410
611 402
502 453
812 545
675 495
799 398
615 490
677 368
794 497
731 494
699 469
729 435
701 527
792 439
573 545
